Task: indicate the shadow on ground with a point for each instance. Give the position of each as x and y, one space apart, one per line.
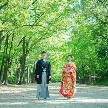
25 97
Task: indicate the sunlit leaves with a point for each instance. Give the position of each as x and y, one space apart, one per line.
58 27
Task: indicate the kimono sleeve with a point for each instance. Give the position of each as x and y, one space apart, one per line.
64 68
50 72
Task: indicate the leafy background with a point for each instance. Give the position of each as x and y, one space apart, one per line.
59 27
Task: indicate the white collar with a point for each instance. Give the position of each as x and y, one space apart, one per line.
70 62
44 59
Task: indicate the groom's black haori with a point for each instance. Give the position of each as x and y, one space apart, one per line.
42 66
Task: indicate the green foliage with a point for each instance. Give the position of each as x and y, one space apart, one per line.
64 27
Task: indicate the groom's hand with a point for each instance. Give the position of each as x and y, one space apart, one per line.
37 76
49 77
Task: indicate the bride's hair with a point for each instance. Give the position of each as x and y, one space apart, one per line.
71 56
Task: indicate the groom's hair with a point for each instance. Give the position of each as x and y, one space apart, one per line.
43 52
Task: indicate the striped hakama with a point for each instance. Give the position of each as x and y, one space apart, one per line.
42 89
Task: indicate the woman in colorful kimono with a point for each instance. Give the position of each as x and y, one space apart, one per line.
68 80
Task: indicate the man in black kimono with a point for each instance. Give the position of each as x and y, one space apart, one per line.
43 76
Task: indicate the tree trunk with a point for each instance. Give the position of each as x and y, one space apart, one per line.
5 61
2 68
5 74
2 60
22 61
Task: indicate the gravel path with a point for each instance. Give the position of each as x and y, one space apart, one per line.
24 96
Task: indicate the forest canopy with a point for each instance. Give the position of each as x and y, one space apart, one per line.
59 27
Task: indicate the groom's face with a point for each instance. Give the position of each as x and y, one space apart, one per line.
43 55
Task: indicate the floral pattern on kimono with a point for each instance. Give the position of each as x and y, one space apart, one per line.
68 80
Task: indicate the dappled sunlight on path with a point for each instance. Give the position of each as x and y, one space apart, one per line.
24 96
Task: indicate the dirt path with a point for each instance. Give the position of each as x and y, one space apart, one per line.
24 96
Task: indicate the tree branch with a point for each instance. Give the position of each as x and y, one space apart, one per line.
31 25
103 22
34 2
105 38
3 5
